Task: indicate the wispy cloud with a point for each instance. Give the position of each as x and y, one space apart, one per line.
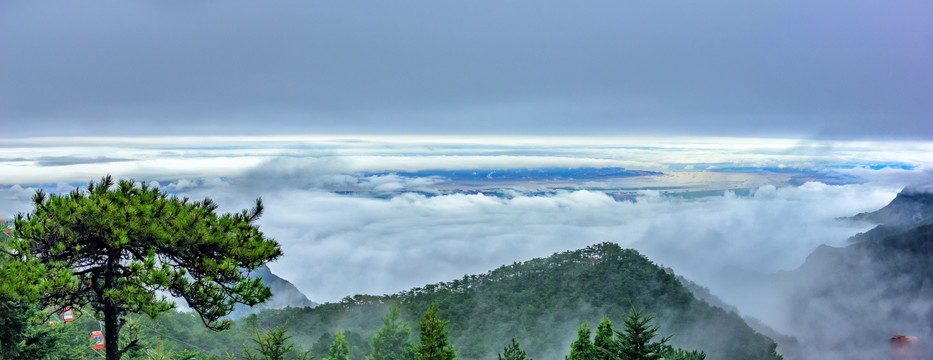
52 160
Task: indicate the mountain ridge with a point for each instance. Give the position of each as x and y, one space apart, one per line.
849 301
541 303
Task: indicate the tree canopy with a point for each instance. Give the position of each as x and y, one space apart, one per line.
513 351
117 248
435 343
392 340
635 341
340 349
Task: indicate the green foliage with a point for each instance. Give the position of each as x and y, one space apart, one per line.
513 352
26 333
774 353
605 348
340 349
6 230
392 340
539 303
359 345
435 344
582 348
635 341
321 347
114 247
681 354
272 345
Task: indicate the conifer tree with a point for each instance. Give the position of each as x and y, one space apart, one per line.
114 247
392 341
271 345
681 354
513 352
635 342
340 349
604 346
435 344
582 348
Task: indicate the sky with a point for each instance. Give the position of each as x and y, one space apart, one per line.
823 69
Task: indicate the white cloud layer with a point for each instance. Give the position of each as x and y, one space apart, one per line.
388 232
53 160
339 245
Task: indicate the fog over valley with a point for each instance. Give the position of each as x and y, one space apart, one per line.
364 215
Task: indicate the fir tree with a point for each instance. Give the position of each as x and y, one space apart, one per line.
582 348
340 349
271 345
604 346
392 340
635 342
513 352
681 354
435 344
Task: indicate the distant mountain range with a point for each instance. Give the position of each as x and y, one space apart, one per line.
849 302
284 294
911 207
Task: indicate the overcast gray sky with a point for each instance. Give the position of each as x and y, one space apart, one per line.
811 69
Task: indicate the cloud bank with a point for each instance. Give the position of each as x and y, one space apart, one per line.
350 222
339 245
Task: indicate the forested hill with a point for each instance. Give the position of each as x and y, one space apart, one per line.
541 303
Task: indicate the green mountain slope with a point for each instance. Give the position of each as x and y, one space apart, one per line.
541 303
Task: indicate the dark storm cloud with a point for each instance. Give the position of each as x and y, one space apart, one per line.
824 69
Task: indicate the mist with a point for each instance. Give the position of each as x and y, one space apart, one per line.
354 217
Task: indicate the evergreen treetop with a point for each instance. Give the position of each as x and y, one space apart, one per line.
582 348
392 340
340 349
513 351
635 342
435 343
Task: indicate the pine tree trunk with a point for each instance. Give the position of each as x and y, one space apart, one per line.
111 333
111 311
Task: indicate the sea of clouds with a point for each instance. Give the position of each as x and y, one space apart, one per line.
349 225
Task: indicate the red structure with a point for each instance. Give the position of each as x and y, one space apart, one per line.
98 338
68 315
904 347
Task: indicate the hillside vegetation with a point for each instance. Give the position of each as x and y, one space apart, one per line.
540 303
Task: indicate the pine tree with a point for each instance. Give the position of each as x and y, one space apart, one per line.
635 342
582 348
340 349
435 344
392 340
513 352
605 348
116 247
774 353
271 345
681 354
